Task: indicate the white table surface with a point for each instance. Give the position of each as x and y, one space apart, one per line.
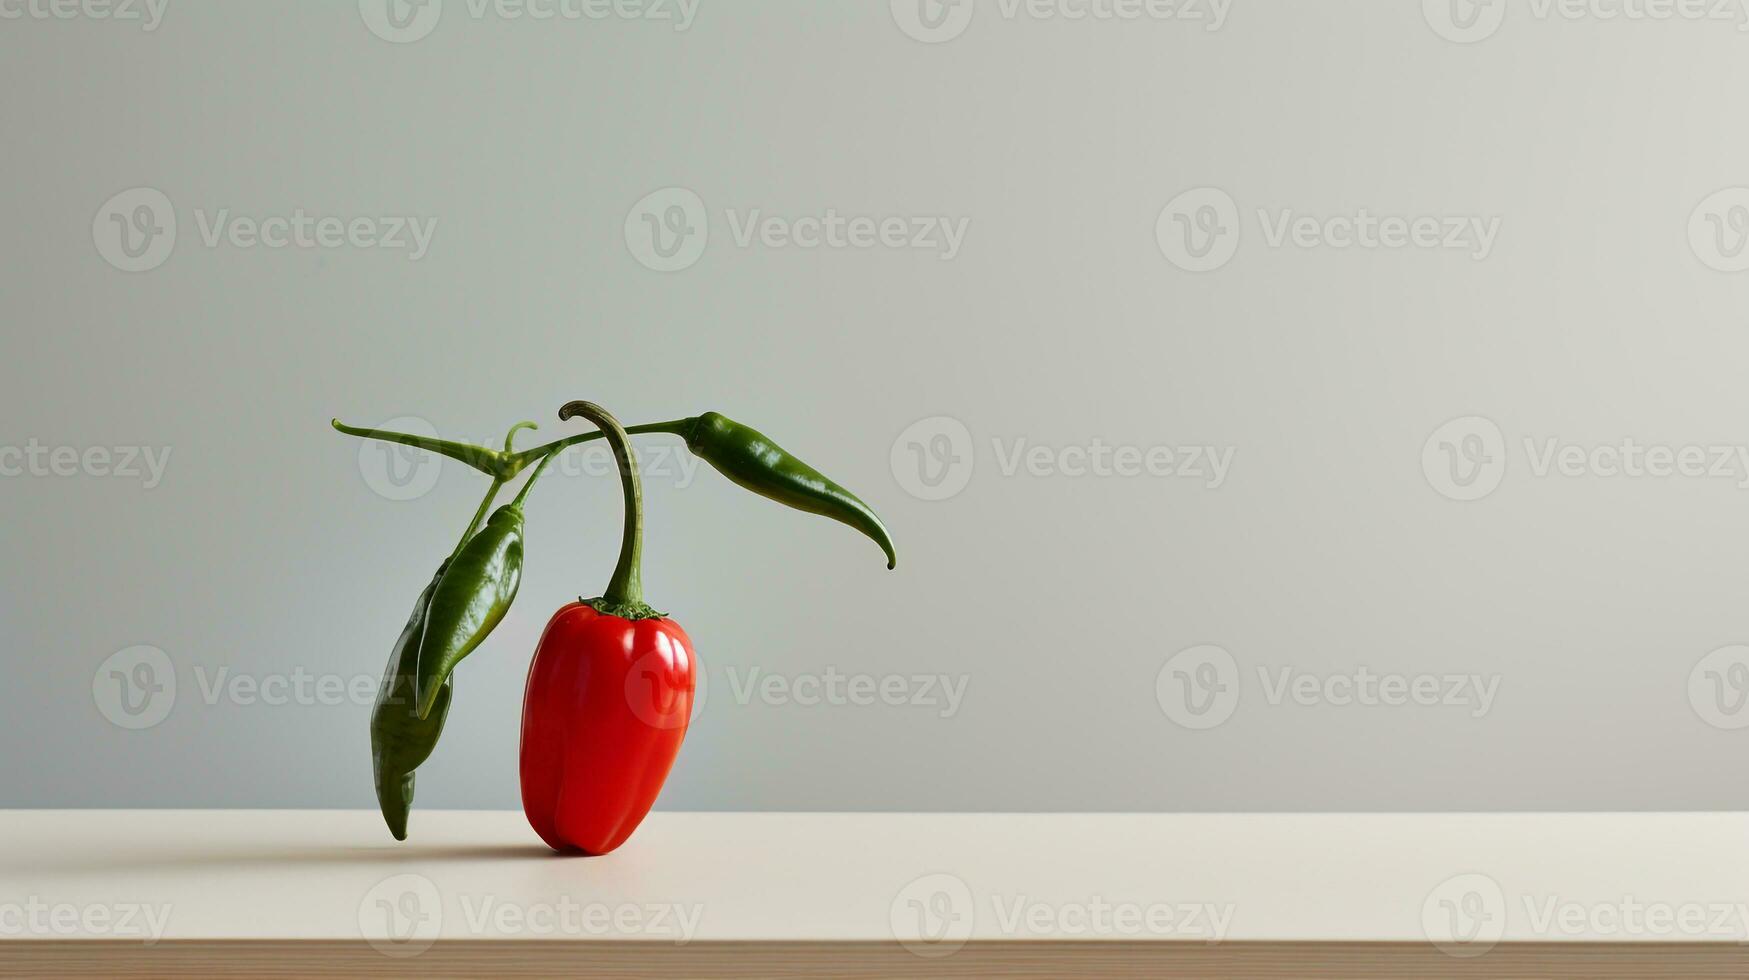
919 878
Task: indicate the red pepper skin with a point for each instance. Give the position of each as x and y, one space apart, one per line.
606 708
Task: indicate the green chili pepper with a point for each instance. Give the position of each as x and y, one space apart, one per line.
470 600
474 593
750 459
400 740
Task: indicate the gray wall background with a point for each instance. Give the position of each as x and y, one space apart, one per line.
1608 307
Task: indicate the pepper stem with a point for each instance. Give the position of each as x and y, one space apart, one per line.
479 515
625 590
510 437
538 470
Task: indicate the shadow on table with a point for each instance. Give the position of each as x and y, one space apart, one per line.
289 856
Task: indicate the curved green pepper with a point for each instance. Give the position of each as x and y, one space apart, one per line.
753 461
471 598
400 740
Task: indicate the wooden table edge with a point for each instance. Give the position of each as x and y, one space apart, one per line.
856 959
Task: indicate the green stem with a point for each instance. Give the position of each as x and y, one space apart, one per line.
479 457
479 515
625 590
538 470
503 466
678 427
510 437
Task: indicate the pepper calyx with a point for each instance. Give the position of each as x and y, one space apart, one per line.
634 610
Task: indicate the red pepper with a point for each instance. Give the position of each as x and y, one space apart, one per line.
607 706
609 696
